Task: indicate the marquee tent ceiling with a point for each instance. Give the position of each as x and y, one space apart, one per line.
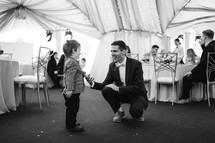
98 17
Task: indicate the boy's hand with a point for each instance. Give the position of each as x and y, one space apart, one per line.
68 94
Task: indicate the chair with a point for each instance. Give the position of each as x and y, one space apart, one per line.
38 79
166 62
210 73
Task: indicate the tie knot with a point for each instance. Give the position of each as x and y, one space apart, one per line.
120 65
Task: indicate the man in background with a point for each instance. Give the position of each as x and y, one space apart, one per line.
198 74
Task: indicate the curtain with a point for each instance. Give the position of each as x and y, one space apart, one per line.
177 17
48 14
115 15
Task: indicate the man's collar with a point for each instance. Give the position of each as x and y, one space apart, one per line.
206 44
122 63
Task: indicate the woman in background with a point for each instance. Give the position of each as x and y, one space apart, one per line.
52 69
60 65
192 58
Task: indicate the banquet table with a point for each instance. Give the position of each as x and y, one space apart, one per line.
26 69
8 70
165 93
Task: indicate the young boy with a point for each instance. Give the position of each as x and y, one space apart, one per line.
74 84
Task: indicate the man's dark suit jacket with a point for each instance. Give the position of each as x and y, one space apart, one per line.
201 67
133 77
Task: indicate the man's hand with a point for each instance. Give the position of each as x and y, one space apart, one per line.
113 86
89 79
188 73
68 94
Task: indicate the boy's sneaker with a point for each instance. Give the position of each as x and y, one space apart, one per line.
77 128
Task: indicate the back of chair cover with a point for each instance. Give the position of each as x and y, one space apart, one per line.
42 61
165 62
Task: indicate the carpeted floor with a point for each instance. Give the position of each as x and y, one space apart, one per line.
188 123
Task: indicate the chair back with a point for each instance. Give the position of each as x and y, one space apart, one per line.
165 62
210 70
42 61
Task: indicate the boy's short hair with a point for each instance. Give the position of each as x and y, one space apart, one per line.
69 47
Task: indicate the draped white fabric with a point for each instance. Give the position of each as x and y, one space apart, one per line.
98 17
196 14
115 15
48 14
168 9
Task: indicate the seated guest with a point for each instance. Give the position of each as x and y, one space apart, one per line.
153 51
192 58
52 69
60 64
198 74
60 68
147 57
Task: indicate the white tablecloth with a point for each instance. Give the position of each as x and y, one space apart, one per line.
26 70
166 90
8 70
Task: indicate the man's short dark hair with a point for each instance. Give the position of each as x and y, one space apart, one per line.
209 33
128 48
121 44
155 46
